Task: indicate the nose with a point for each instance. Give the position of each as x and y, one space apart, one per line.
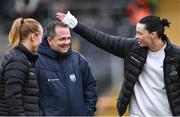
67 41
136 36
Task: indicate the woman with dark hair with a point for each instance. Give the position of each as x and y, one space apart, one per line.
18 82
151 65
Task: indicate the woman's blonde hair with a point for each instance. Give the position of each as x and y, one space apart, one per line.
20 30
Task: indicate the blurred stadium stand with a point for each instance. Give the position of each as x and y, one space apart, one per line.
117 17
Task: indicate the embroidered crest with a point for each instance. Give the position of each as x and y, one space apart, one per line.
173 71
72 77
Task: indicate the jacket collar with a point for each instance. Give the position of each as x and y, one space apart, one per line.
169 45
30 56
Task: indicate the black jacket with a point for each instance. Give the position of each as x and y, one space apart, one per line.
134 59
19 92
67 85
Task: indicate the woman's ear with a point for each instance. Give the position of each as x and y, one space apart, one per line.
33 36
154 35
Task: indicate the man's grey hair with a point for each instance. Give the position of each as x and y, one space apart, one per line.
50 28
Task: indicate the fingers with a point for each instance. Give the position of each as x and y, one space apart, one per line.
60 16
59 13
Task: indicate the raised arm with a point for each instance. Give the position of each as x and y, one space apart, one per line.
116 45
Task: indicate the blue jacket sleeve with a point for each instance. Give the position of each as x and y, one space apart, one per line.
89 88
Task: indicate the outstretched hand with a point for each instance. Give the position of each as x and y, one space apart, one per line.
60 16
67 18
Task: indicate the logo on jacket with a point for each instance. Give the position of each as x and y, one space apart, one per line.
52 80
31 73
173 71
135 59
72 77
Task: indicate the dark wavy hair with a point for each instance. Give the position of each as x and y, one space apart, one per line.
155 24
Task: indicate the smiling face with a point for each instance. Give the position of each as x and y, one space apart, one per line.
61 42
144 38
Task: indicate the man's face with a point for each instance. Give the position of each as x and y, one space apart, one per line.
144 38
62 41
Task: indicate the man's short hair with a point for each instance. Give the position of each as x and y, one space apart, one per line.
50 28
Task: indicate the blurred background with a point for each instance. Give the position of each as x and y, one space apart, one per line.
117 17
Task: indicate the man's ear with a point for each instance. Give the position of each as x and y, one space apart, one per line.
49 40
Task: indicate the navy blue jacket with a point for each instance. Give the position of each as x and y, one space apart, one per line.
67 85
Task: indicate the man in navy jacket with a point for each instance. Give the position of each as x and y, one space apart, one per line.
67 85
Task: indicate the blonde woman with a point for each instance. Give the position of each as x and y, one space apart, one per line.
18 83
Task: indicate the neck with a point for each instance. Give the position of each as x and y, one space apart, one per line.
28 46
157 45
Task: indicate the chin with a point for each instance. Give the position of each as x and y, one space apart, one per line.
64 51
141 45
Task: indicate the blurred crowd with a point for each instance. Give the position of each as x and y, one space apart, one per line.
116 17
